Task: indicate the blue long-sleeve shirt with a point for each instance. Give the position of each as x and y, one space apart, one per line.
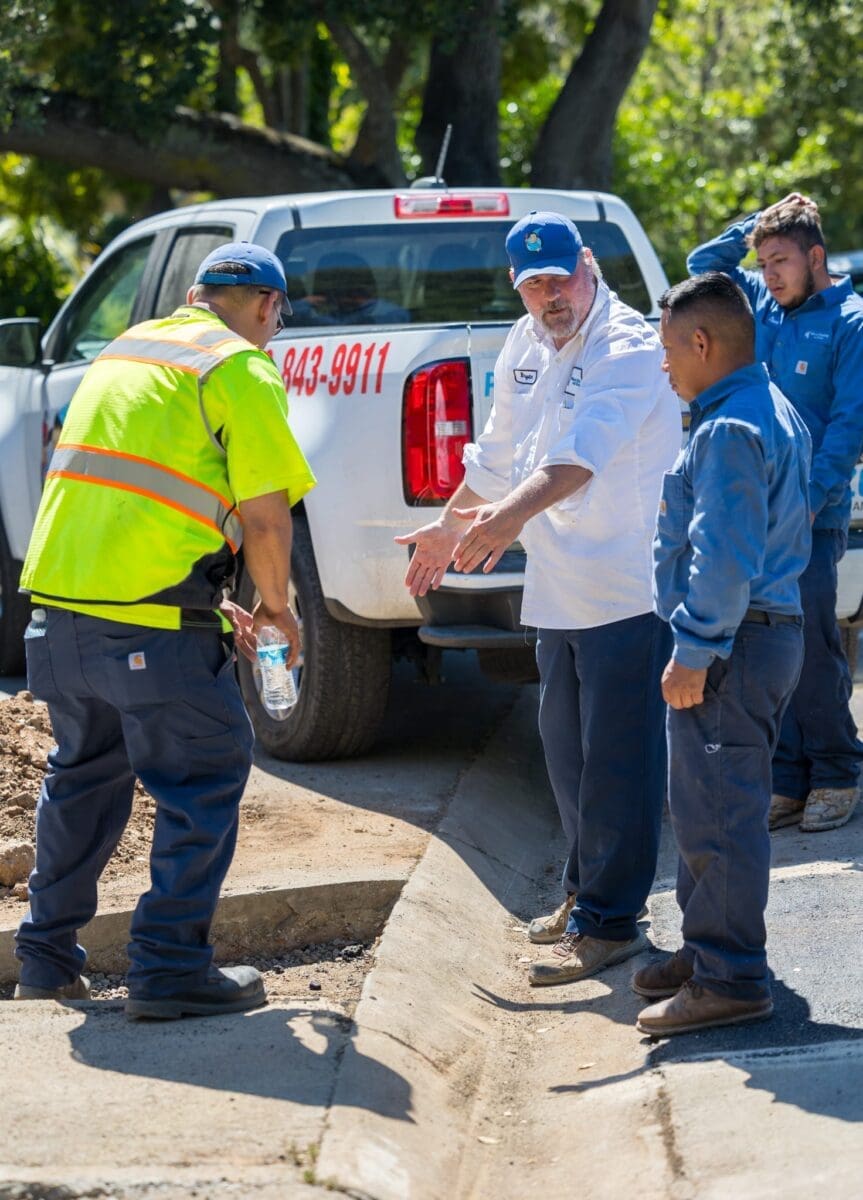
815 354
733 530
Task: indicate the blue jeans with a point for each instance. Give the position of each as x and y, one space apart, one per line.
126 701
601 718
818 745
719 797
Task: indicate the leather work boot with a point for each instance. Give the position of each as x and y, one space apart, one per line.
693 1007
784 811
225 990
577 956
552 927
828 808
78 989
665 978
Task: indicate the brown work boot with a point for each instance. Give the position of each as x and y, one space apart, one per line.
828 808
552 927
663 978
693 1007
78 989
576 956
784 811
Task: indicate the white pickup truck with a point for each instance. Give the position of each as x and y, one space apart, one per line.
401 304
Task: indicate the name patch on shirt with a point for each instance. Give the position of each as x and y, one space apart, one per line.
574 383
524 375
802 367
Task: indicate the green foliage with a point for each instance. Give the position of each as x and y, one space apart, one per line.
32 280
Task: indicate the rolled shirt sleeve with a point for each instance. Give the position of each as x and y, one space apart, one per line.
728 534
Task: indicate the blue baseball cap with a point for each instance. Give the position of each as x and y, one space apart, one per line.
242 263
543 243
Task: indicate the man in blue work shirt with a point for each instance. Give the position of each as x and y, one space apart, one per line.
732 539
809 333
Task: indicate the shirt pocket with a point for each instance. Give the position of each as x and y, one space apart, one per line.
808 371
674 512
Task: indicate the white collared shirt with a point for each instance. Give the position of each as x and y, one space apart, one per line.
601 402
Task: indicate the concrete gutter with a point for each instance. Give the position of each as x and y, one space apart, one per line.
424 1017
258 923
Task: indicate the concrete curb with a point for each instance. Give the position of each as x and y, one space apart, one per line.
264 922
427 1008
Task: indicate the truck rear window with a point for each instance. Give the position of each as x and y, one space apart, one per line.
427 273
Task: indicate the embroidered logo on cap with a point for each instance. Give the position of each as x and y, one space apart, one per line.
137 661
802 367
533 242
524 375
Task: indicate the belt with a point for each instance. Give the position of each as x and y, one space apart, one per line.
199 618
761 617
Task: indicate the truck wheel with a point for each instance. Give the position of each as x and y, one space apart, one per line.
850 637
342 679
14 612
517 665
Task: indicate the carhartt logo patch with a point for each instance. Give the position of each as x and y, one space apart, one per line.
137 661
802 367
524 375
663 508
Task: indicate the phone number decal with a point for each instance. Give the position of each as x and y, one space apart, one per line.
352 368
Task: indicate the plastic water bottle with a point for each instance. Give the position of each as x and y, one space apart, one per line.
278 691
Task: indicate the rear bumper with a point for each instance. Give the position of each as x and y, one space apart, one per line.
476 610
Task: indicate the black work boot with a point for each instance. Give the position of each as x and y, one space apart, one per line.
225 990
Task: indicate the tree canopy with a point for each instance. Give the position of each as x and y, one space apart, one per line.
693 111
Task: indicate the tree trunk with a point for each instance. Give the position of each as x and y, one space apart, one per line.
573 149
376 145
462 89
197 152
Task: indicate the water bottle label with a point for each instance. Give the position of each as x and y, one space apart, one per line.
272 656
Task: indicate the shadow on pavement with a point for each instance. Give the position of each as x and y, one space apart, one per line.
288 1053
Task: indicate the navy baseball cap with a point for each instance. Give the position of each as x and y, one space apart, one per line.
543 243
242 263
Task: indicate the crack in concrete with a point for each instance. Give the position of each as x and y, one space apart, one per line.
662 1105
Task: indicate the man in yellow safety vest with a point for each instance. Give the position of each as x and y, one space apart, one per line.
176 448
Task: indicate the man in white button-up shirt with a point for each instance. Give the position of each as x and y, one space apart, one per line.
571 460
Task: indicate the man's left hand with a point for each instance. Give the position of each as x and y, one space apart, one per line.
682 687
493 529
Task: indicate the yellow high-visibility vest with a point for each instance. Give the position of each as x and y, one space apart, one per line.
137 507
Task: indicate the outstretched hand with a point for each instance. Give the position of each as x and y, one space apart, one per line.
493 530
435 548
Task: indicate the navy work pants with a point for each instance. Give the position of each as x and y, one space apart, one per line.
818 745
601 718
126 701
719 796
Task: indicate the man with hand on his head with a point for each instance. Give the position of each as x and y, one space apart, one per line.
809 333
733 536
571 462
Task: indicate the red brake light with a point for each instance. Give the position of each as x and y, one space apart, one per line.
449 204
436 426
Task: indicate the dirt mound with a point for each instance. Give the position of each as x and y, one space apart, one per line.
25 740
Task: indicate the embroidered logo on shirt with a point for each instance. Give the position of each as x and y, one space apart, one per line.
524 375
574 383
137 661
815 336
802 367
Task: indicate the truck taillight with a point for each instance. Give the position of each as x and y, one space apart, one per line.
436 426
451 204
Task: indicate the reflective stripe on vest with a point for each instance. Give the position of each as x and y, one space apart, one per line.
198 355
113 468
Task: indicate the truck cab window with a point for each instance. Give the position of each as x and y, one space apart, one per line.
102 308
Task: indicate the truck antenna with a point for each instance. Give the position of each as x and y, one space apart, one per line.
441 158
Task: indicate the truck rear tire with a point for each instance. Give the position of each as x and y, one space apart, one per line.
14 612
342 682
